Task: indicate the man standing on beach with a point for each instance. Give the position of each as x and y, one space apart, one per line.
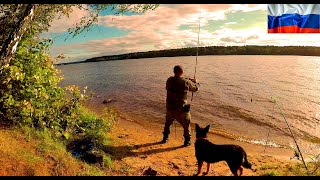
176 103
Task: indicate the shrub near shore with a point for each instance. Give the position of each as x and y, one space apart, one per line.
32 100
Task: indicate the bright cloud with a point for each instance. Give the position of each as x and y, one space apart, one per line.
176 25
248 7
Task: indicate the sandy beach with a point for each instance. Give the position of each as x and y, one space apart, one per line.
135 148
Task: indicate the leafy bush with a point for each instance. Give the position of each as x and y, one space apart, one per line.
30 95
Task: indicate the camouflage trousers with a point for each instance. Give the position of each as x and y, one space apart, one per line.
183 118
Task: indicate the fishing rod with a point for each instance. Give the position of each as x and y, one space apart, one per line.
304 163
275 101
195 67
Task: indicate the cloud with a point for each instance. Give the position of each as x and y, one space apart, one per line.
166 17
228 23
161 29
253 37
239 37
62 24
291 39
248 7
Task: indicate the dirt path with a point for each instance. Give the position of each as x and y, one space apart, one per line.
136 147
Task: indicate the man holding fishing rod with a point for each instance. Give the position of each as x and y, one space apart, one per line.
176 103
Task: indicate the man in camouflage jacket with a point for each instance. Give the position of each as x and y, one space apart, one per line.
176 103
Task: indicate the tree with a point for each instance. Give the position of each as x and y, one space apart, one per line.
29 91
10 44
34 19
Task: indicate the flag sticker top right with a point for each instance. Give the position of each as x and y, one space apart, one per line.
293 18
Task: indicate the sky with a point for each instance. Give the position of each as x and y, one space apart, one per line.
170 26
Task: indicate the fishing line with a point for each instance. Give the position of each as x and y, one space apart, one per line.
259 107
259 110
268 132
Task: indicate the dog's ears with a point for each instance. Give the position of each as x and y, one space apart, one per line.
207 128
197 127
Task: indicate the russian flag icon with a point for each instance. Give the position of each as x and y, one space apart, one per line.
293 18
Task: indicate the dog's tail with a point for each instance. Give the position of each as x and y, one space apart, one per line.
246 164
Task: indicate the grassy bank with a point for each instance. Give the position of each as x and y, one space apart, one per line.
27 151
129 149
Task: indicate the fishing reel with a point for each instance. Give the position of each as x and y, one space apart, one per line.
186 108
193 80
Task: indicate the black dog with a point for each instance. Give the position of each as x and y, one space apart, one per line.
234 155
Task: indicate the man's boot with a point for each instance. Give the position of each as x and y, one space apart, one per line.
165 138
187 142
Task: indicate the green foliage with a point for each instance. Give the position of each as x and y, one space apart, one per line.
29 85
271 173
313 165
107 161
30 96
29 93
48 146
90 126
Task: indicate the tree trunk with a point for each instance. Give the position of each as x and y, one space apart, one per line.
10 45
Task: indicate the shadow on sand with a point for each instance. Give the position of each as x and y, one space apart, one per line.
120 152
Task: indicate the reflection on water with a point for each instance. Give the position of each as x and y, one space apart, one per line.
235 93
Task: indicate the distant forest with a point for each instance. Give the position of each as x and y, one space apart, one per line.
215 50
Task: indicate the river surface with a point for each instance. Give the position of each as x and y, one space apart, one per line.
236 95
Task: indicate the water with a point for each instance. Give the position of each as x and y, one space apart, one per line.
234 97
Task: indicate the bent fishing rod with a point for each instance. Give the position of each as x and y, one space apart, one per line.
195 67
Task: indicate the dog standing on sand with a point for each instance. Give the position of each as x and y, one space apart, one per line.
234 155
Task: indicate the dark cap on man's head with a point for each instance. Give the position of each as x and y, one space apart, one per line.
177 69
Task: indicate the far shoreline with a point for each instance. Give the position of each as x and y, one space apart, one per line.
210 51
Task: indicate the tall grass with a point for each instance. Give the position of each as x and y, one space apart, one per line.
50 148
